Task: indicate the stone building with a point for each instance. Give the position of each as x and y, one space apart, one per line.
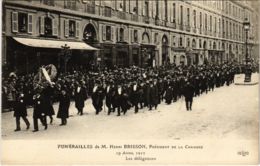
125 32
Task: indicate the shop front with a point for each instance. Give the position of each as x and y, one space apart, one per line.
148 55
25 55
216 56
122 55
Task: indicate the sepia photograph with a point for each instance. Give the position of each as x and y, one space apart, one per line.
130 82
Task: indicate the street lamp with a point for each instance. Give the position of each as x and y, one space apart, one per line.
66 57
248 72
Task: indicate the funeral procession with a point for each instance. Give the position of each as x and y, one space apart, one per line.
129 68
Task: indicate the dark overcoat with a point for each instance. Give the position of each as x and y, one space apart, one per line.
64 105
80 97
20 109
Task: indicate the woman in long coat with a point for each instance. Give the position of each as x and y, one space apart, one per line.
63 112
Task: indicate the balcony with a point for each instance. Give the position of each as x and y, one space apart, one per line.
188 28
122 15
195 30
205 32
181 27
71 6
157 21
174 25
48 2
146 19
90 9
108 12
134 17
163 23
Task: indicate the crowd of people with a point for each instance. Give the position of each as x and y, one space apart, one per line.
118 90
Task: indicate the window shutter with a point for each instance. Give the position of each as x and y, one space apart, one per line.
112 33
30 22
154 8
143 6
160 13
77 28
139 36
131 6
140 10
118 34
104 32
42 25
118 4
113 4
126 35
132 35
170 12
127 3
14 21
150 9
66 28
54 27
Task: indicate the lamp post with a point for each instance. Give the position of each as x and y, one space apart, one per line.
248 72
66 57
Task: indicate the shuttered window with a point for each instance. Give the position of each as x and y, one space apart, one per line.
30 23
66 28
77 28
104 32
54 27
112 33
14 21
42 25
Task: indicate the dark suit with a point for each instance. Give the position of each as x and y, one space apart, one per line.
20 111
39 112
135 97
110 91
80 97
63 112
97 98
188 94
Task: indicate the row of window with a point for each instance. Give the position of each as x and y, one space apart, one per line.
205 22
23 22
108 34
48 25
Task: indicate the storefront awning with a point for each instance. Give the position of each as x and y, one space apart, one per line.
43 43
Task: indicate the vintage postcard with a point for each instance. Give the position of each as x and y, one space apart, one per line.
130 82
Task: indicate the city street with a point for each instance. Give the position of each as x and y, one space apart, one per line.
228 112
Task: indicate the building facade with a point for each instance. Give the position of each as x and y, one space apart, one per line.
129 32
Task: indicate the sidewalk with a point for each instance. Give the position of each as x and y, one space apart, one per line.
239 79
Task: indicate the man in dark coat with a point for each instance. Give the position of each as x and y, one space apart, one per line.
168 95
80 97
120 100
109 93
152 96
39 112
63 112
97 97
20 111
135 96
188 92
47 93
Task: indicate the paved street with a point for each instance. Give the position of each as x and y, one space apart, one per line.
228 112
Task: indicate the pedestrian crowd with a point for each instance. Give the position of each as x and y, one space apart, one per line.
117 90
